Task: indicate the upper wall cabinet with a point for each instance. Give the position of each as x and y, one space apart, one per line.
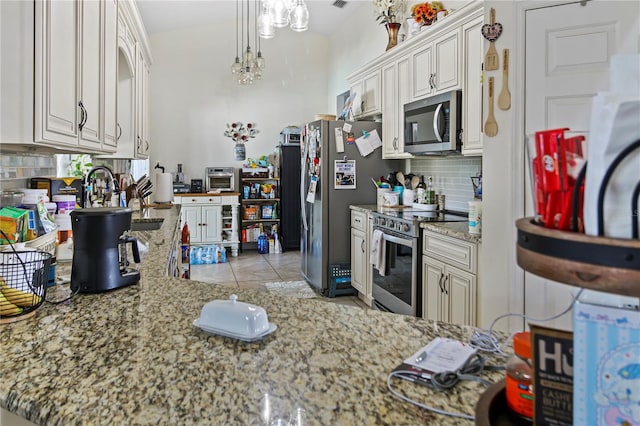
367 89
396 91
447 56
133 137
60 92
472 87
436 66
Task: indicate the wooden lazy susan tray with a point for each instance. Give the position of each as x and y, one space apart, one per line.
598 263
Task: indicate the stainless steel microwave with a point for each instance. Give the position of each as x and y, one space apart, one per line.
433 125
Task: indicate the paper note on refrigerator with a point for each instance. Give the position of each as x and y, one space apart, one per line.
311 194
339 141
368 142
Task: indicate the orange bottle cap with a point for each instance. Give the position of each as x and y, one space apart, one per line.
522 344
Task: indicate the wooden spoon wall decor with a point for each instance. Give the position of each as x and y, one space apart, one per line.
504 99
491 126
491 32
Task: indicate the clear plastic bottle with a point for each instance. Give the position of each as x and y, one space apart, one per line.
519 378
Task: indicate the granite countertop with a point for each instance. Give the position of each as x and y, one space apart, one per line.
453 229
132 356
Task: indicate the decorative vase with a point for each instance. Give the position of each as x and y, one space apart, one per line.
392 31
239 152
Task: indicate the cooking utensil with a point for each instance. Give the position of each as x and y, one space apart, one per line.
491 126
374 182
491 32
400 178
392 179
504 99
415 180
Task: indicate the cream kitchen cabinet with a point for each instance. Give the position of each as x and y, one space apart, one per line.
361 229
472 42
449 268
60 93
110 74
396 91
436 65
367 100
211 219
133 73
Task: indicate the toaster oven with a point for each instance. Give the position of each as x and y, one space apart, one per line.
221 179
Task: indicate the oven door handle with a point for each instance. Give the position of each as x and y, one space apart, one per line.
397 240
436 122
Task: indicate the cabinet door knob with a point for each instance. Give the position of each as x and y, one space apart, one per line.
445 285
362 246
440 283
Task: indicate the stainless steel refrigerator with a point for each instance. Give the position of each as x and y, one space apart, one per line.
325 231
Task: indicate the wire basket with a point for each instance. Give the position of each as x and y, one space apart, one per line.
23 283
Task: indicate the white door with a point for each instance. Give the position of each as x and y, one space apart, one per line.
110 72
211 224
56 48
433 275
90 96
358 260
460 290
568 48
447 69
423 72
192 217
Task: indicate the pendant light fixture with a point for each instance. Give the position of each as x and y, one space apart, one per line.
249 66
236 66
299 16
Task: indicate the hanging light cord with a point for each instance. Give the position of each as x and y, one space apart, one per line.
237 53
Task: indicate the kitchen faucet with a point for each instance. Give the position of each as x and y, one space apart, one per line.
87 187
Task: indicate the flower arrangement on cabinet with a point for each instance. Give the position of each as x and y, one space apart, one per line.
389 11
240 133
425 13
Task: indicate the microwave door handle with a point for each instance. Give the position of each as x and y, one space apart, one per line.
436 121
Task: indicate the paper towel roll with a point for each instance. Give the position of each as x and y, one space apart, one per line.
164 188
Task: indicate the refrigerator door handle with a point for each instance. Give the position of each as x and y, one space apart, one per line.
303 173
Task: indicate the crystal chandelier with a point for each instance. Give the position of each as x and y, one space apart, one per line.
267 16
282 13
249 67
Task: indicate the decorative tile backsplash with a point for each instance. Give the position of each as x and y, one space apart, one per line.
17 169
451 176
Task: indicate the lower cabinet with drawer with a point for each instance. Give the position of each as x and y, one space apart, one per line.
211 219
449 279
361 229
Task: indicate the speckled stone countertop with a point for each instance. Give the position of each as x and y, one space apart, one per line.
132 356
453 229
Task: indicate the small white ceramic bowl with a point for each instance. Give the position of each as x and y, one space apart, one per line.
234 318
425 207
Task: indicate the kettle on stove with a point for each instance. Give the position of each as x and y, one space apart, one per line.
100 249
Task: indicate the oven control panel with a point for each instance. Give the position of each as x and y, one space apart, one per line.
394 224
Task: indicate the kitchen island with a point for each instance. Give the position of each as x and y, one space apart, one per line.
133 356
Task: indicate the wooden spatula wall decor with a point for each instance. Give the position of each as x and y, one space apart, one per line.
504 98
491 32
491 126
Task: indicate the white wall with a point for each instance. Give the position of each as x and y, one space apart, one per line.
193 94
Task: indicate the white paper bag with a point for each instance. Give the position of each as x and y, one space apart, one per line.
615 124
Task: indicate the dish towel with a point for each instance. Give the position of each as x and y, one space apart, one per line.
377 256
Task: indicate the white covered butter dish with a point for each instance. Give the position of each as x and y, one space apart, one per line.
234 319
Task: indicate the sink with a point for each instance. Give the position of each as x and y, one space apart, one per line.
146 225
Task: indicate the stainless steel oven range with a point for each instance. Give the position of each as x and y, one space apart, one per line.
399 288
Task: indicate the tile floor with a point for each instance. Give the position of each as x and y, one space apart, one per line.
251 270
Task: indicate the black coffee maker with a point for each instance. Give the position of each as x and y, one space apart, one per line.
99 249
